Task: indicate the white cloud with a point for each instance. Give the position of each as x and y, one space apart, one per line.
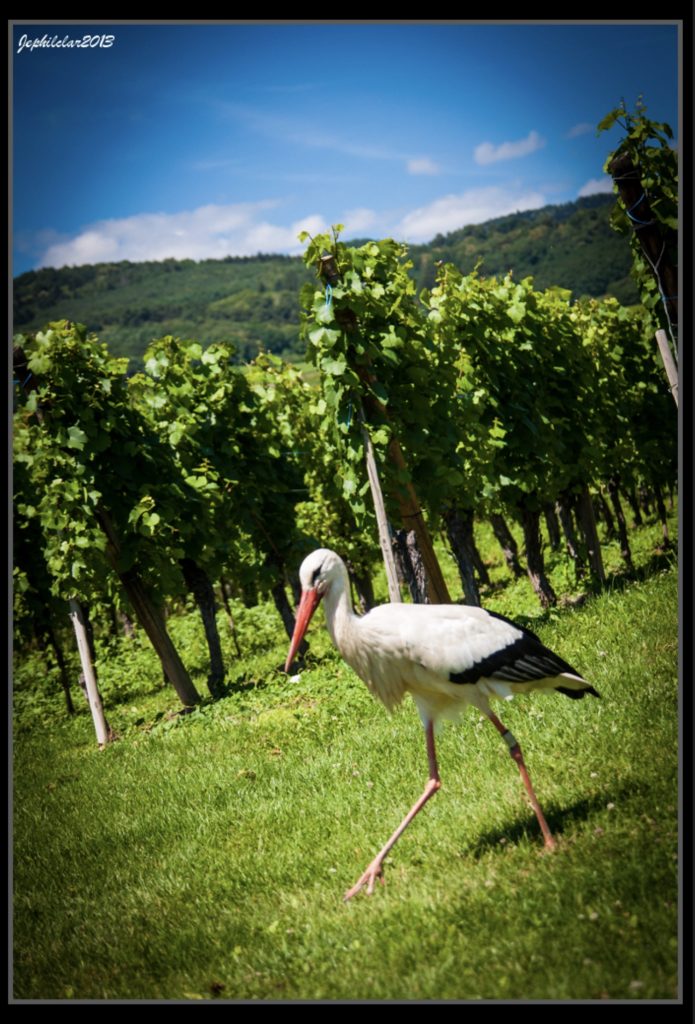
314 224
594 186
422 165
359 219
487 153
451 212
579 129
208 232
244 229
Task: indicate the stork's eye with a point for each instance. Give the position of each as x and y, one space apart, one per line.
315 575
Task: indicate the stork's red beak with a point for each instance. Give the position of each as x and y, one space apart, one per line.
307 606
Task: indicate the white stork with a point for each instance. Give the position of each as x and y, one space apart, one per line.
445 655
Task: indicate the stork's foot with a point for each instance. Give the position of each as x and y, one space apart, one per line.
374 871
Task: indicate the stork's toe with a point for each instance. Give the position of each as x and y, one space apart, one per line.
374 871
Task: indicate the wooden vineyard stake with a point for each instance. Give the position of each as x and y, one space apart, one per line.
669 363
380 512
95 705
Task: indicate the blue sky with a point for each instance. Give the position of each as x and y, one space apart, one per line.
214 139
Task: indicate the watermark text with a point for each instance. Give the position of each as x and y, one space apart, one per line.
46 42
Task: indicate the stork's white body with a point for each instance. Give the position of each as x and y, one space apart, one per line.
416 648
445 656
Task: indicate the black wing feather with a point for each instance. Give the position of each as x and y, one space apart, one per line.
523 661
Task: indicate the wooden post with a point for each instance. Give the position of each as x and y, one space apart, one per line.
669 363
95 705
380 511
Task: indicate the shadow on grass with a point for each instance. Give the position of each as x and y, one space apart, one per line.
495 587
559 820
242 684
663 559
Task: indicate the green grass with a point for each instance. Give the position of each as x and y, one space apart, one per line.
205 856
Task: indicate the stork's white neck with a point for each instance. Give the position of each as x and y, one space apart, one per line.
340 618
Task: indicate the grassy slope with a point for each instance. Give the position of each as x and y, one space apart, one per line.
206 856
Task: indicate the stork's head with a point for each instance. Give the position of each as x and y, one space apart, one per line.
317 573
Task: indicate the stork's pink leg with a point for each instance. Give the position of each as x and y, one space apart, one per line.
375 869
515 751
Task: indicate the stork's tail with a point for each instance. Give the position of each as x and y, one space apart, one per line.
576 687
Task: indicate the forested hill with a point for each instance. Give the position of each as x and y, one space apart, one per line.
253 301
571 245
